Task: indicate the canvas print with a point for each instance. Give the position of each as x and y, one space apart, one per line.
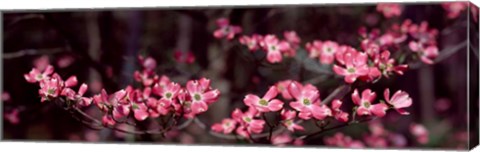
373 75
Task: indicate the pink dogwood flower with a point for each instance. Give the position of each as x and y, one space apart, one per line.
281 139
341 140
399 100
426 54
12 116
337 112
354 64
36 75
82 101
148 63
454 9
225 30
282 88
184 57
420 132
274 48
387 65
288 120
226 127
247 120
201 94
50 88
307 102
65 61
325 51
252 42
365 105
389 10
266 103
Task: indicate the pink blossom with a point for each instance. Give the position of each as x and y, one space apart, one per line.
281 139
36 75
365 106
107 120
184 57
399 100
50 88
252 42
282 88
341 140
227 126
426 54
266 103
288 120
12 116
454 9
337 112
292 37
225 29
149 64
144 77
201 94
387 65
389 9
307 102
420 132
354 64
274 48
65 61
375 141
70 94
325 51
5 96
41 63
247 120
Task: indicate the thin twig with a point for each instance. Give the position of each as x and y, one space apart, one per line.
26 52
340 91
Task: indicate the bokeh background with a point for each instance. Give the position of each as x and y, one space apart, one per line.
101 46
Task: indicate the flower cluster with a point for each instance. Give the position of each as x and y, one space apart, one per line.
158 96
225 30
274 47
304 103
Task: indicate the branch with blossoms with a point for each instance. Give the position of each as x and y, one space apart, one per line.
277 116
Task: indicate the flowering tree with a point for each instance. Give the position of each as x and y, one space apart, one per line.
277 115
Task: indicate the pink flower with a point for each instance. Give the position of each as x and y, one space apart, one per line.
307 102
337 112
248 121
252 42
281 140
375 141
65 61
148 63
341 140
82 101
201 94
266 103
12 116
292 37
387 65
282 87
140 111
5 96
107 120
426 54
225 29
454 9
36 75
389 10
420 132
365 104
354 64
227 126
42 62
115 102
288 120
50 88
143 77
399 100
274 48
184 57
168 91
324 50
